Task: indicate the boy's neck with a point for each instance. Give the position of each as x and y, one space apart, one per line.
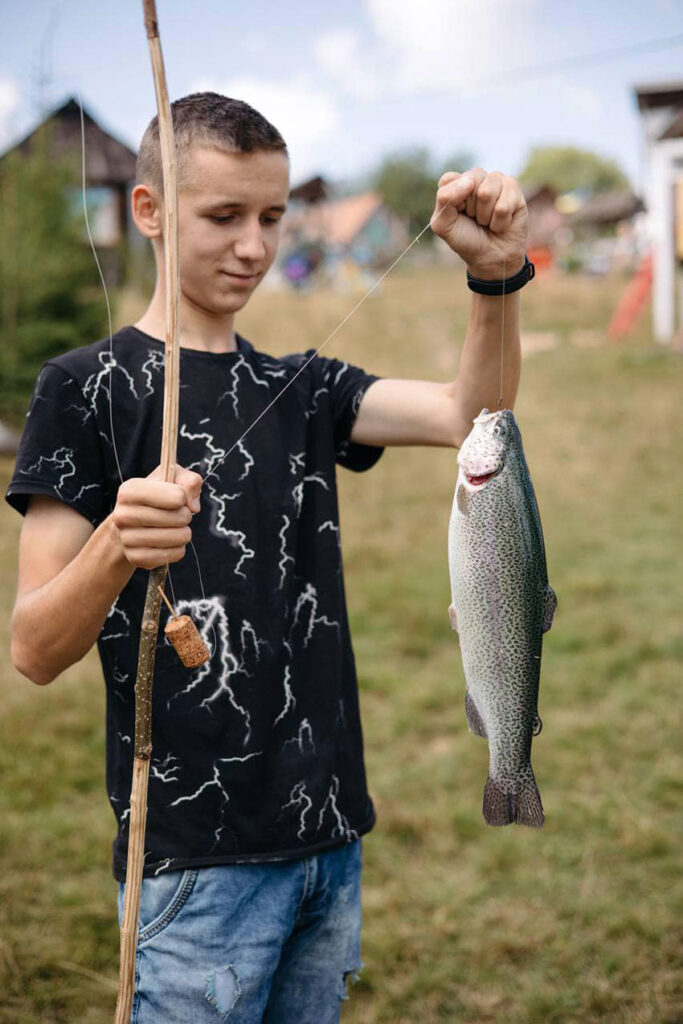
197 330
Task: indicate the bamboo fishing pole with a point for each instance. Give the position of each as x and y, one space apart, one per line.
150 617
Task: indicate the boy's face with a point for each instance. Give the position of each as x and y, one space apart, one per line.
229 214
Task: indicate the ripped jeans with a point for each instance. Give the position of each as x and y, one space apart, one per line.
250 943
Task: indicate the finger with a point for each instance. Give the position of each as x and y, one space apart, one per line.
451 196
151 558
509 201
155 493
134 516
151 537
447 177
191 483
488 193
477 174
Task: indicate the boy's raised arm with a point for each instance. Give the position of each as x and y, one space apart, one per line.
483 217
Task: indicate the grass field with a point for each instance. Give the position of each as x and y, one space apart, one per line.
581 922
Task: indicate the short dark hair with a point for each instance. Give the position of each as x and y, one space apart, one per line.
205 119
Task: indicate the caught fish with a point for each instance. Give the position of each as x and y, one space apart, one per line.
501 606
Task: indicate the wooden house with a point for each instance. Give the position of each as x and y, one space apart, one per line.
109 172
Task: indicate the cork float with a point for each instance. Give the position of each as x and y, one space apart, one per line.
185 637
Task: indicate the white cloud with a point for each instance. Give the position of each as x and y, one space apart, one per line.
9 105
444 44
579 99
341 55
304 114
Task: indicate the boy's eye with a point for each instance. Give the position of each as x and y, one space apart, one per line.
222 220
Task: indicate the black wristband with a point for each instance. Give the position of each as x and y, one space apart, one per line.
506 285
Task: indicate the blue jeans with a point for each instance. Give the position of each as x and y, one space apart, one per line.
250 943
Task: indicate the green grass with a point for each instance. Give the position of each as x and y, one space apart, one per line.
462 923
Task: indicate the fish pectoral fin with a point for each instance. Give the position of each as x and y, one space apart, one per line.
549 606
452 615
537 725
474 719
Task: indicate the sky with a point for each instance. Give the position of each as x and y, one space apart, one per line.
347 84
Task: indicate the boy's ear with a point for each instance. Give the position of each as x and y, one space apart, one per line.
146 211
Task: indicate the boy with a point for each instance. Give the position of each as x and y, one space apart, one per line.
250 905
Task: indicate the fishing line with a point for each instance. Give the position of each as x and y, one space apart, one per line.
502 338
328 339
104 287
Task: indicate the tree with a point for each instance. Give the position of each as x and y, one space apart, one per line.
50 298
566 168
407 181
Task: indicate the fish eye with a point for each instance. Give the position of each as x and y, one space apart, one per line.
499 430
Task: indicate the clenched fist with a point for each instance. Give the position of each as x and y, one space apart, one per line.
483 217
152 517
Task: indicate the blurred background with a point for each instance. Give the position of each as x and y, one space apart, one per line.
584 103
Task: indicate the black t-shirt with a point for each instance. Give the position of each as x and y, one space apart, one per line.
257 755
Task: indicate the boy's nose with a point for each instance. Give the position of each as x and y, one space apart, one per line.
249 245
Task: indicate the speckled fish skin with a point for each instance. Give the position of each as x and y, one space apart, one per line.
501 606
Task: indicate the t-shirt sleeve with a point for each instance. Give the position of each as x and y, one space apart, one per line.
59 453
347 385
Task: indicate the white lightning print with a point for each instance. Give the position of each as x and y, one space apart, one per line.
329 525
82 409
124 628
341 827
165 772
290 699
313 407
297 461
218 783
97 382
61 458
300 799
164 864
298 490
309 598
234 373
284 557
153 364
248 460
303 738
250 643
209 613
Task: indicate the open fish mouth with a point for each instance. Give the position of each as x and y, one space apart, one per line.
479 481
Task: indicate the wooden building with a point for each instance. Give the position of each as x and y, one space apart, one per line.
661 115
109 171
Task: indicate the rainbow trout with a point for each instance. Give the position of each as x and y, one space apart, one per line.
502 605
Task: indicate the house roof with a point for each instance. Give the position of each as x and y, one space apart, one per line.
314 190
607 208
344 218
108 161
659 94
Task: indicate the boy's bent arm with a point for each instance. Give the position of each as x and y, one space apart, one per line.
69 576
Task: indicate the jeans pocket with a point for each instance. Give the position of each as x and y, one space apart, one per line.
162 899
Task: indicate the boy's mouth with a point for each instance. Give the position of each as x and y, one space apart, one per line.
238 278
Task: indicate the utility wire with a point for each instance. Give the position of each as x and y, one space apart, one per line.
530 71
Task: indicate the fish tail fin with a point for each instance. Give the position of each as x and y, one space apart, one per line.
521 805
